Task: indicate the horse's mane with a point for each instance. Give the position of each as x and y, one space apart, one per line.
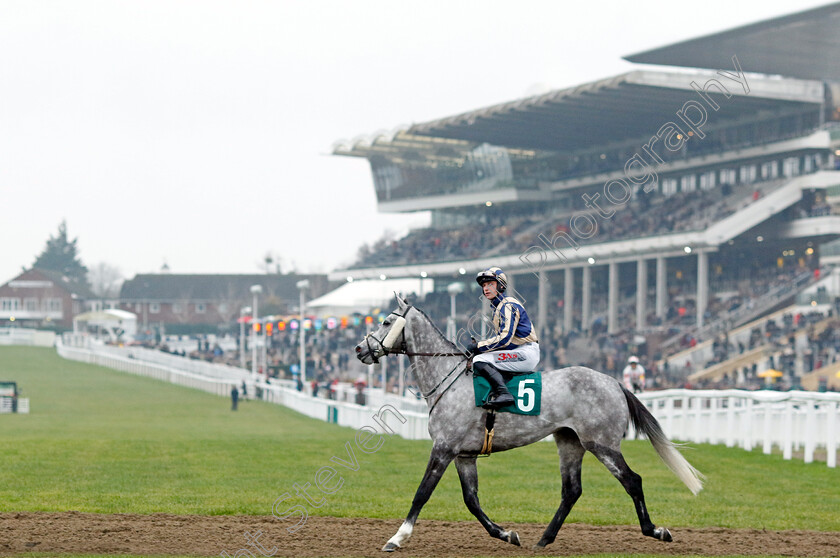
437 329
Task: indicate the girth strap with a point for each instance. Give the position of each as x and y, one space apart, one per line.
489 430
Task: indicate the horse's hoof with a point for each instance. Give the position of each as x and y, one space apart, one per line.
390 547
514 538
663 534
539 546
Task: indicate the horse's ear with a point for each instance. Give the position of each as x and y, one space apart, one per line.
401 302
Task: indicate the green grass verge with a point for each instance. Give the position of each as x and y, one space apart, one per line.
534 556
102 441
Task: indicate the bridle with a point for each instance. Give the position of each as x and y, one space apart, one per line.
402 349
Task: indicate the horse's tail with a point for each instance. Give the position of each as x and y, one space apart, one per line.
645 422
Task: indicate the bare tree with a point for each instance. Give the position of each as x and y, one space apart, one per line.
272 262
229 303
105 280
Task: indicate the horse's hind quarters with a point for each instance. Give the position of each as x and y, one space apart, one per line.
390 547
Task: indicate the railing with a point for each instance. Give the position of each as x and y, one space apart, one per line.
184 364
150 370
792 421
200 367
410 425
390 409
23 336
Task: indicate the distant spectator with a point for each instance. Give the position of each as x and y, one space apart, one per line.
234 398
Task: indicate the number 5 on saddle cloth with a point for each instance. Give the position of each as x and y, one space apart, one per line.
525 388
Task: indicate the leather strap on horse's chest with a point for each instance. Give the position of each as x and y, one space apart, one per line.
489 430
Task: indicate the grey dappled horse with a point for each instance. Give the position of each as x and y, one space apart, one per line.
584 410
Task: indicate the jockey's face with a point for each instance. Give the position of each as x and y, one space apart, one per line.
490 289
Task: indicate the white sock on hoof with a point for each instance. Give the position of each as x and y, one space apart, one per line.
402 534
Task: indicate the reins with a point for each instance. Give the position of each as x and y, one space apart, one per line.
439 397
404 351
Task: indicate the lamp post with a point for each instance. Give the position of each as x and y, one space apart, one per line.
454 289
242 313
255 290
302 287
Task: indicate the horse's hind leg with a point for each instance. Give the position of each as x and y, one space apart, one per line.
571 455
632 483
439 460
469 486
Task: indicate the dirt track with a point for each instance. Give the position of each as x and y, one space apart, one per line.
74 532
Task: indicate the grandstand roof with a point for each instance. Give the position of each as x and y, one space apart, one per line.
801 45
400 146
605 112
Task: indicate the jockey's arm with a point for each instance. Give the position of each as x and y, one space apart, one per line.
509 317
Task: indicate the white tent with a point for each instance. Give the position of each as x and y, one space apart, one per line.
118 324
363 296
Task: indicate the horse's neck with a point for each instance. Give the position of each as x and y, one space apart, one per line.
429 372
423 337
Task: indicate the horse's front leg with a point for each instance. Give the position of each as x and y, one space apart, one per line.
439 460
468 474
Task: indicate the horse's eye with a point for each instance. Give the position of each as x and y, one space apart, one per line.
386 322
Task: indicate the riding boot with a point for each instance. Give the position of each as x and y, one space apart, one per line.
499 394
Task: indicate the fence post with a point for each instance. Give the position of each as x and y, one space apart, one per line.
747 407
730 421
831 434
768 430
698 427
810 431
787 430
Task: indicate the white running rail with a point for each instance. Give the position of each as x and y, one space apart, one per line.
408 424
800 421
797 422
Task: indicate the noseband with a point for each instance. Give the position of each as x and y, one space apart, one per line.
401 348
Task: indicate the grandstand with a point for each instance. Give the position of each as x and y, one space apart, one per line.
642 208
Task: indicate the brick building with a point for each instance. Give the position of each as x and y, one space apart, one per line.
42 298
199 303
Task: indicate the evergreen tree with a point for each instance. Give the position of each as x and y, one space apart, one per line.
61 255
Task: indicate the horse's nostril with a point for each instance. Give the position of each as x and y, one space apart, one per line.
358 349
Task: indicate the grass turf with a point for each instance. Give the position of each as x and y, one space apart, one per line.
98 440
42 555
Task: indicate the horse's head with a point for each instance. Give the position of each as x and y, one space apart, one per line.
389 337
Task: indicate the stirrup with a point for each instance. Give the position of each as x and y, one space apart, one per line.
493 401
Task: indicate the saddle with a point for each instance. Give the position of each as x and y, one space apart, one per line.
525 388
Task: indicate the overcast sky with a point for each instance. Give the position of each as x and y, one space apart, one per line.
198 133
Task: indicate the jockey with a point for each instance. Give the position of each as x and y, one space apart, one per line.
634 375
514 348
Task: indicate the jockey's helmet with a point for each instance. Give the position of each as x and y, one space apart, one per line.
633 360
493 274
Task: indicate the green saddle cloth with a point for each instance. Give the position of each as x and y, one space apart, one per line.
525 388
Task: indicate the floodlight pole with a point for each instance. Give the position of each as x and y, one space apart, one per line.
255 290
302 286
454 290
242 313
